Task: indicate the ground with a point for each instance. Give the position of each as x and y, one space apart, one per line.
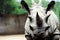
12 37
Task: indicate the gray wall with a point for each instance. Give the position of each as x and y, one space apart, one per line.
12 24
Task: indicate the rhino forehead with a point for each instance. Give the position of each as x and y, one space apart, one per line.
38 9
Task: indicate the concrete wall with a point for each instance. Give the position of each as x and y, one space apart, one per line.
12 24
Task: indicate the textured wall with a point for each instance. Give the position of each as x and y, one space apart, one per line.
12 24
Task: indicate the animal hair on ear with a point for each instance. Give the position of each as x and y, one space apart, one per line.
50 6
24 5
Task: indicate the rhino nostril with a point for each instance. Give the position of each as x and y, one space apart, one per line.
35 35
42 33
38 32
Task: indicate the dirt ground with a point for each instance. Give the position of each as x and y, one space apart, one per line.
12 37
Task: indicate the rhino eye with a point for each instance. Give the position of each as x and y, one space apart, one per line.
47 28
47 18
31 28
30 19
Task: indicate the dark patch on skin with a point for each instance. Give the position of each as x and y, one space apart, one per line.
40 37
31 28
30 19
47 28
50 6
24 5
38 20
47 18
29 37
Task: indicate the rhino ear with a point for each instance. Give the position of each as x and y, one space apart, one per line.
50 6
24 5
38 20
